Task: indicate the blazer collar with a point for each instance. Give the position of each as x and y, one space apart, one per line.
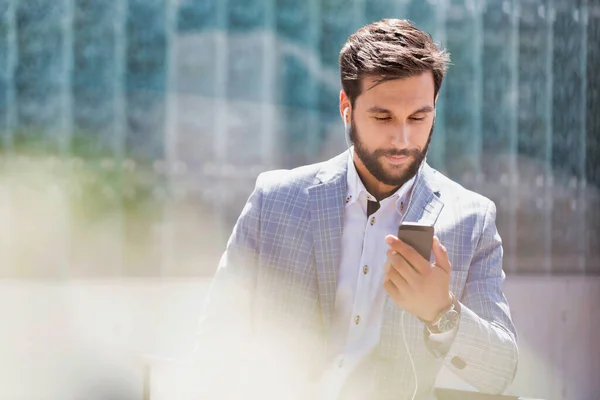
327 203
334 169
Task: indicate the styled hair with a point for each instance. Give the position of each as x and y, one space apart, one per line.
386 50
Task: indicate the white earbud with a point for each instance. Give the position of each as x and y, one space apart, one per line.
347 127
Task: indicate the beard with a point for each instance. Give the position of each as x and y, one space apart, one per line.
376 167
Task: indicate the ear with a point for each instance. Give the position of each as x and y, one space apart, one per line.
345 104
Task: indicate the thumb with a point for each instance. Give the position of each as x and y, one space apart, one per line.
441 255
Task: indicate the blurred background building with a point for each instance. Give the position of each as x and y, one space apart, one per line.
174 107
132 131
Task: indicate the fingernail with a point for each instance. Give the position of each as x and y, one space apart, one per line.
389 240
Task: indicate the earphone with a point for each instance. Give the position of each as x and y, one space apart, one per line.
347 127
412 363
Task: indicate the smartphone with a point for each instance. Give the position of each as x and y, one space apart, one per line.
419 236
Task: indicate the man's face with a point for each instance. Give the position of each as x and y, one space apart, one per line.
391 126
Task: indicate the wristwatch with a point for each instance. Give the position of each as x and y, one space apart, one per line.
447 320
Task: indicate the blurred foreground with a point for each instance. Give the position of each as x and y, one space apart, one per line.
88 339
105 266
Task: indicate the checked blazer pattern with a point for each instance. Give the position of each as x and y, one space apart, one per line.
279 274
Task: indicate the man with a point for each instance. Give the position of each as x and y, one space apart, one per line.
316 288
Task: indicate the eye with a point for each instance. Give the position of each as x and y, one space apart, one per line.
417 118
383 118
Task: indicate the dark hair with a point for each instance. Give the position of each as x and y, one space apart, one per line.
389 49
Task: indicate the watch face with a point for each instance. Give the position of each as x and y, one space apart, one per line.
449 321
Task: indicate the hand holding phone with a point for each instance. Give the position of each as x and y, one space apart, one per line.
414 283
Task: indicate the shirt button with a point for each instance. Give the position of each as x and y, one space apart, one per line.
357 319
366 269
341 363
372 220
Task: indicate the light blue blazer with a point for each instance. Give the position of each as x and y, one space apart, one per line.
279 273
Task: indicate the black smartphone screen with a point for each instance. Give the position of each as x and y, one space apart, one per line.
420 237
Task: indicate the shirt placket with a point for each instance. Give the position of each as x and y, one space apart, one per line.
359 310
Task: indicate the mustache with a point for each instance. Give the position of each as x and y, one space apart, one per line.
397 153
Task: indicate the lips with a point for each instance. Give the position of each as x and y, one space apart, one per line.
397 159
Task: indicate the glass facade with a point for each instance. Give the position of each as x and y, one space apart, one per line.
150 120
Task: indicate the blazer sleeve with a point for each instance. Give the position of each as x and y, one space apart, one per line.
484 352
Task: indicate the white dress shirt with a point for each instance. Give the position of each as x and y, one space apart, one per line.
360 295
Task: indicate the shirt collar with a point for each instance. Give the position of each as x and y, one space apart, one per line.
355 188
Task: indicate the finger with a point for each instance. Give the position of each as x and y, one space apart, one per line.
421 265
402 266
393 291
386 267
441 255
397 280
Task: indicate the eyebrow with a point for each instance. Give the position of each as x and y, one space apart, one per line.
380 110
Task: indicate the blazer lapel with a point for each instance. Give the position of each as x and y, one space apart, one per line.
327 214
425 205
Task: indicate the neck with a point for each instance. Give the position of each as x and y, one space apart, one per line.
376 188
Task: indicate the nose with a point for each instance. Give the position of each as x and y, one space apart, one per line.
400 136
